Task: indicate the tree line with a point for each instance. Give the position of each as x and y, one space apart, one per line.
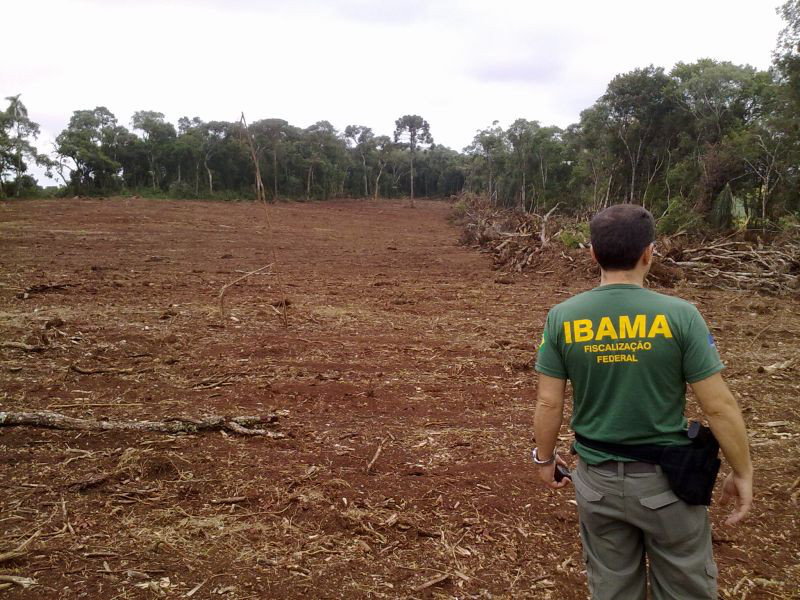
708 141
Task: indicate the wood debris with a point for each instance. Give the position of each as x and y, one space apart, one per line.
20 550
243 425
519 240
431 582
375 457
23 582
21 346
739 265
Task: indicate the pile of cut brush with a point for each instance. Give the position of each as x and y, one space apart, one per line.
515 238
519 240
772 268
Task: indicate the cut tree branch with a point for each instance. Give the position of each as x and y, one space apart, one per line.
21 346
243 425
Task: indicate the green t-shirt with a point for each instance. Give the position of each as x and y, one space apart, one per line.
628 352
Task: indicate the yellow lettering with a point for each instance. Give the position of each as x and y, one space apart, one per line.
583 330
631 330
660 327
567 332
648 346
616 358
606 329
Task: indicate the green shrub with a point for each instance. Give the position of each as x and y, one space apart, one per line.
575 235
459 209
679 216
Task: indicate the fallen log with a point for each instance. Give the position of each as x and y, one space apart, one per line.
243 425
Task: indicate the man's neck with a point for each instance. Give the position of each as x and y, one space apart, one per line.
633 277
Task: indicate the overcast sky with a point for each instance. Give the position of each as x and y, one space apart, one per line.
461 64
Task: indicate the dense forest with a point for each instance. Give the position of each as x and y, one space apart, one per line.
705 142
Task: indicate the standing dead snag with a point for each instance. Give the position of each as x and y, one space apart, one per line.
261 194
243 425
543 233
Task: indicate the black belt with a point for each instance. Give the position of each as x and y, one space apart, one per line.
628 467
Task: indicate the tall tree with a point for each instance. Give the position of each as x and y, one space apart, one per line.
413 130
383 153
270 135
363 142
158 137
520 136
787 52
17 134
639 104
86 149
491 145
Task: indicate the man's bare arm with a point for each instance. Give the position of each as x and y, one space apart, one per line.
725 420
547 423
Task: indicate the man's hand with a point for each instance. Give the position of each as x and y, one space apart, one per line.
740 490
547 474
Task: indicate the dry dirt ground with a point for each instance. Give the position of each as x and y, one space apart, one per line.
396 337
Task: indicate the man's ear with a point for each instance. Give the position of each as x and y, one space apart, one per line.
647 256
591 251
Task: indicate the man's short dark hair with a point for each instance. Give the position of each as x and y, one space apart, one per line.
620 233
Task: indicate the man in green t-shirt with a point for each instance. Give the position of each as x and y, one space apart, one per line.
629 353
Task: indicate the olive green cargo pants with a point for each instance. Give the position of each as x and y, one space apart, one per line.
625 516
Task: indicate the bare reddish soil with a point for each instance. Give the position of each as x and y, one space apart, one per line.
395 335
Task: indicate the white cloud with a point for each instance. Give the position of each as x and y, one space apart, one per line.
459 64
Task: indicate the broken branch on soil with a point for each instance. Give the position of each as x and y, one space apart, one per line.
243 425
231 500
431 582
375 457
84 371
95 405
21 346
20 550
23 582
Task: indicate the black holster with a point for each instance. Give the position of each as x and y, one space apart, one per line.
691 469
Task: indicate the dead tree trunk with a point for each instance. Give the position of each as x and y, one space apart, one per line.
210 177
197 178
412 175
261 194
381 165
543 233
364 165
275 173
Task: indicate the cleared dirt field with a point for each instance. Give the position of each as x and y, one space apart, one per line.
396 337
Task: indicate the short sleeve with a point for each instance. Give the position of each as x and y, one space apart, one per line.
700 356
549 359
